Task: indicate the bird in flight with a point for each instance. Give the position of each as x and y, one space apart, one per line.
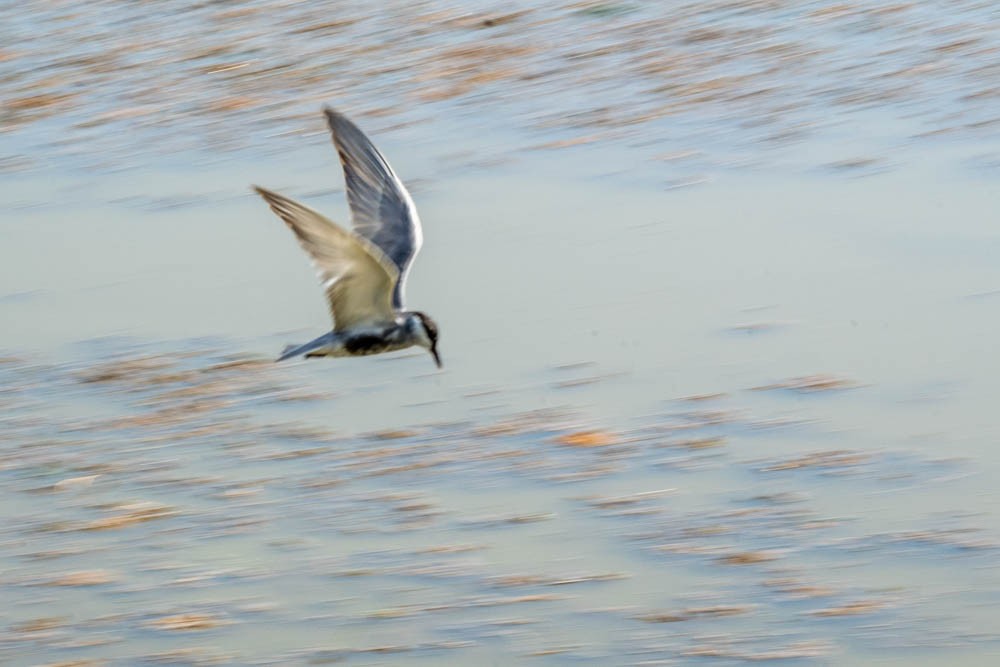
363 271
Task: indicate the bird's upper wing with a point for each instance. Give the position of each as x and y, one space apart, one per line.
381 208
357 276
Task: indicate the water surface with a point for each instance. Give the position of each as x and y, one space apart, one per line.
718 381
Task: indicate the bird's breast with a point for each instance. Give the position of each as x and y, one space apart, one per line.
374 342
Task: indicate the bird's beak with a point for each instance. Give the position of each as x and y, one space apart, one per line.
437 357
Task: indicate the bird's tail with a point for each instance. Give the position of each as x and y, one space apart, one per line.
290 351
318 347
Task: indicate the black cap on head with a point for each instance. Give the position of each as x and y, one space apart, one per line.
432 333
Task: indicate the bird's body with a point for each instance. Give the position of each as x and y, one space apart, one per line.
358 342
363 271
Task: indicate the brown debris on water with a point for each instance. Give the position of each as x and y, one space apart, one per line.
193 657
507 519
240 364
607 502
715 611
855 608
123 370
451 549
959 538
748 557
35 103
296 454
702 398
82 578
811 384
43 624
793 651
798 590
187 622
587 439
832 459
700 443
566 143
132 514
515 599
474 21
310 504
554 650
522 580
398 434
778 69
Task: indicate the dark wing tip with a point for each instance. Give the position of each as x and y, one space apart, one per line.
282 206
263 192
278 203
334 118
342 127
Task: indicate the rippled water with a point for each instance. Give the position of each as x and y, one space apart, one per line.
703 401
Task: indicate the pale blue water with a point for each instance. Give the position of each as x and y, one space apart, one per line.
712 250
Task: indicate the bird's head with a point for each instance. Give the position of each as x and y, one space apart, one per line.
426 331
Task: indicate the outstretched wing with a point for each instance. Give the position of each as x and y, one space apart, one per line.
381 208
356 275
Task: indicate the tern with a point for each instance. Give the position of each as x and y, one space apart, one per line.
363 271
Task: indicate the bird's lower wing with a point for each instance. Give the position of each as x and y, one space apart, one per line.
357 276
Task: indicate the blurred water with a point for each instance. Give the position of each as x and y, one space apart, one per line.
885 279
646 289
607 300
